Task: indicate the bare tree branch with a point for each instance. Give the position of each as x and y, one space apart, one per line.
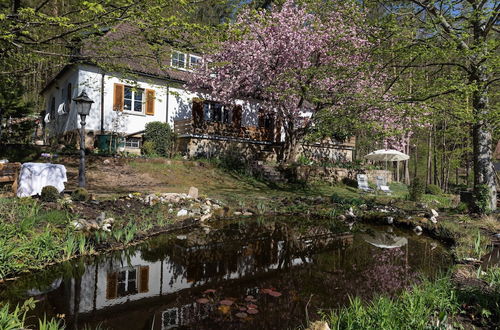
428 97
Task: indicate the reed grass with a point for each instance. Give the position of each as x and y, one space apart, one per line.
15 319
429 305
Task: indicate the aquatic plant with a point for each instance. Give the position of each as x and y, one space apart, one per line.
425 306
492 276
478 246
51 324
69 246
82 241
15 319
130 231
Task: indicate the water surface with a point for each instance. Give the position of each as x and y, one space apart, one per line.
269 271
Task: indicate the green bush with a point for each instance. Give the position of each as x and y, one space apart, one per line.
80 195
433 189
462 208
350 182
417 189
482 199
233 160
50 194
148 148
303 160
159 139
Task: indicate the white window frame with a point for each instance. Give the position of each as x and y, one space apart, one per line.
188 66
133 100
175 52
127 281
173 317
198 61
128 143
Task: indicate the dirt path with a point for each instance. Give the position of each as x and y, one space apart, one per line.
110 176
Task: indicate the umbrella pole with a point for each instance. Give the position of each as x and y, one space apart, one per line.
397 171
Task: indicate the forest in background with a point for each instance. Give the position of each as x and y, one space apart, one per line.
440 58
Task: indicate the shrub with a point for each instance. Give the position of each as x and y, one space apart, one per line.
462 207
433 189
148 148
233 160
80 195
482 199
417 189
50 194
161 136
350 182
303 160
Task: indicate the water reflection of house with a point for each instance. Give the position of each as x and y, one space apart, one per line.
122 281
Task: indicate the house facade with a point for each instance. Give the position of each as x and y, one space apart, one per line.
143 92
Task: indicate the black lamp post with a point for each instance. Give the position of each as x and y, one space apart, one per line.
83 105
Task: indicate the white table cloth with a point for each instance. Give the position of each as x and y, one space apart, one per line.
34 176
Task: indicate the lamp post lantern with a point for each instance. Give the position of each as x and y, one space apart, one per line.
83 105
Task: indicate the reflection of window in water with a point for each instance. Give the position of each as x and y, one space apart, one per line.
169 319
127 281
184 315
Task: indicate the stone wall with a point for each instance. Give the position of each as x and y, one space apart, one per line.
211 147
335 174
208 148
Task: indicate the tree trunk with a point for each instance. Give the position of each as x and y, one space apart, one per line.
484 172
429 158
407 163
290 146
415 160
1 119
434 152
467 166
443 156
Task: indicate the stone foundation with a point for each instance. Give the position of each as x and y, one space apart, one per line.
334 174
212 147
208 148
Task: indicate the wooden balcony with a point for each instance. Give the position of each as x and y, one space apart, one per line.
187 128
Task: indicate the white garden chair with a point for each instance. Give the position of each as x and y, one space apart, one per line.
382 185
363 183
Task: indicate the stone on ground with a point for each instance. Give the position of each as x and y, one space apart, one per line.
193 192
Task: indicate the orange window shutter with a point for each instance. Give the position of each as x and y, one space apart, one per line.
150 102
144 279
197 112
237 116
111 285
118 97
262 118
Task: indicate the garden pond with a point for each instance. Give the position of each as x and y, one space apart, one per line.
246 274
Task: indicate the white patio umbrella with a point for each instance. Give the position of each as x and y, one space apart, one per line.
388 155
385 240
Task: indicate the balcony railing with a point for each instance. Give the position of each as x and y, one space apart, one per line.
186 127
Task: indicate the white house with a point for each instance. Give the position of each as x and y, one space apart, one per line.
148 87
